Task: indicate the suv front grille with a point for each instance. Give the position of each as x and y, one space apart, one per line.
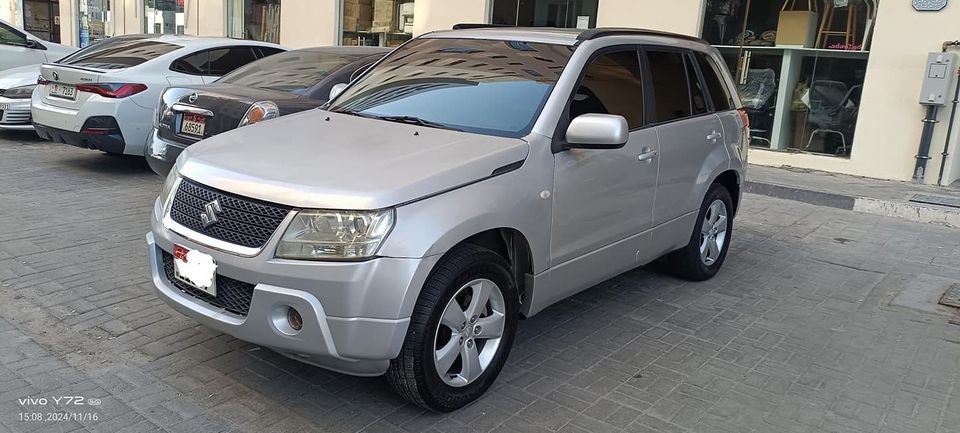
232 295
245 222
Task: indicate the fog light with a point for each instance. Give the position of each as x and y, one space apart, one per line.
294 319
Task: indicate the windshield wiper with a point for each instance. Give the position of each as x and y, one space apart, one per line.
412 120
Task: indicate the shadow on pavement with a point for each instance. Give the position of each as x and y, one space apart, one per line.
105 163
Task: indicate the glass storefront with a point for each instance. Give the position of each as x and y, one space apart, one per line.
95 21
164 17
254 19
799 65
545 13
380 23
42 19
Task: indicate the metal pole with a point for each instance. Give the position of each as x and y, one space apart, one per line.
923 155
946 143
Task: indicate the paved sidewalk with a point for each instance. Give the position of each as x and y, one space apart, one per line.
918 203
823 320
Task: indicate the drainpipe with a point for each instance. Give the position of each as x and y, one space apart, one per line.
923 155
953 116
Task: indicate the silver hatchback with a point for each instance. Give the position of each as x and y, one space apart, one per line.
469 179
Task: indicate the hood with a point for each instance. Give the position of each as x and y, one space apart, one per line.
325 160
22 76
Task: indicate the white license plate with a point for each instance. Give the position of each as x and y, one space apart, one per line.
63 91
4 107
193 124
197 269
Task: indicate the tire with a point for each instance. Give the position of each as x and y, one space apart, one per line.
414 373
688 262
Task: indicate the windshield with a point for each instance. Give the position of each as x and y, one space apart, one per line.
118 53
482 86
293 72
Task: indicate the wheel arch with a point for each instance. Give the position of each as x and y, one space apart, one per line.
513 246
730 180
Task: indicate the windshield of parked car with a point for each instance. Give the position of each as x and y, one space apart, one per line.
482 86
293 71
118 53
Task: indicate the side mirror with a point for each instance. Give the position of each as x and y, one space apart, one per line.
31 44
336 90
598 131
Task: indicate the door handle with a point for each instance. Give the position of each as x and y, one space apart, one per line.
715 135
647 155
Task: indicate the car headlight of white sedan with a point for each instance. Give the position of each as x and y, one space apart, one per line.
335 235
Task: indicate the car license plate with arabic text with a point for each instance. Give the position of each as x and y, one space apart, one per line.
195 268
193 124
63 91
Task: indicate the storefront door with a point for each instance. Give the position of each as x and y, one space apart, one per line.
545 13
42 19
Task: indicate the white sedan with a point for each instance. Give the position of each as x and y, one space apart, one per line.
19 48
103 97
16 87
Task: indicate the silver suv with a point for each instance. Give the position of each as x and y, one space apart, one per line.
469 179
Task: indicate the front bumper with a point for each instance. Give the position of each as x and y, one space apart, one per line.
162 154
17 115
354 321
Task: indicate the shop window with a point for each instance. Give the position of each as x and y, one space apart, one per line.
42 19
545 13
164 17
379 23
612 85
94 21
672 92
799 67
254 19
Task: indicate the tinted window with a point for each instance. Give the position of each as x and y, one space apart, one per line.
698 97
9 36
294 71
487 87
269 51
217 62
612 85
670 85
722 101
117 53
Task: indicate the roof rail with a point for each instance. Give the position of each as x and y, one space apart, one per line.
468 26
591 34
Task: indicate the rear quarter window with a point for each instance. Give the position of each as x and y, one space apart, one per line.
119 53
721 97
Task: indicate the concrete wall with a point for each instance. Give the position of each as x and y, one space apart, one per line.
430 15
678 16
206 17
309 23
10 12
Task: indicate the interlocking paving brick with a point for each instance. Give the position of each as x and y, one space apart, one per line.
796 334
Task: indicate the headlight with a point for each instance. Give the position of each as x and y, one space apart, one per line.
260 111
168 185
335 235
22 92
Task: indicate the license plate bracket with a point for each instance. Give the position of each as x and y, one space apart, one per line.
63 91
196 269
193 125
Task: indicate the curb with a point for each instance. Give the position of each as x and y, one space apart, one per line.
910 211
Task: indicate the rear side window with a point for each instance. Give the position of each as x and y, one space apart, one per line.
698 97
722 101
119 53
612 84
216 62
670 85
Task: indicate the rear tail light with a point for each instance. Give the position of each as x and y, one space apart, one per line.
113 90
745 118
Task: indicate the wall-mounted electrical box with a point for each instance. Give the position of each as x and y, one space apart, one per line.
938 78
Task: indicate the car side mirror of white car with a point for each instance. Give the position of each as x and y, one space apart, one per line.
32 44
598 131
336 90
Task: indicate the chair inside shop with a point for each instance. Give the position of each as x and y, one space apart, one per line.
833 112
757 93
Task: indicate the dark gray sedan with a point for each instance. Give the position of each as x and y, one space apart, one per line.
281 84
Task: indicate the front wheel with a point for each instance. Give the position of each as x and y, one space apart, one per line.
460 332
703 256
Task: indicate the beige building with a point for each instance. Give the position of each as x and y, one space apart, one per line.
830 84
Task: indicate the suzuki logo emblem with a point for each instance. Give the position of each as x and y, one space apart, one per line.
56 76
209 216
193 98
